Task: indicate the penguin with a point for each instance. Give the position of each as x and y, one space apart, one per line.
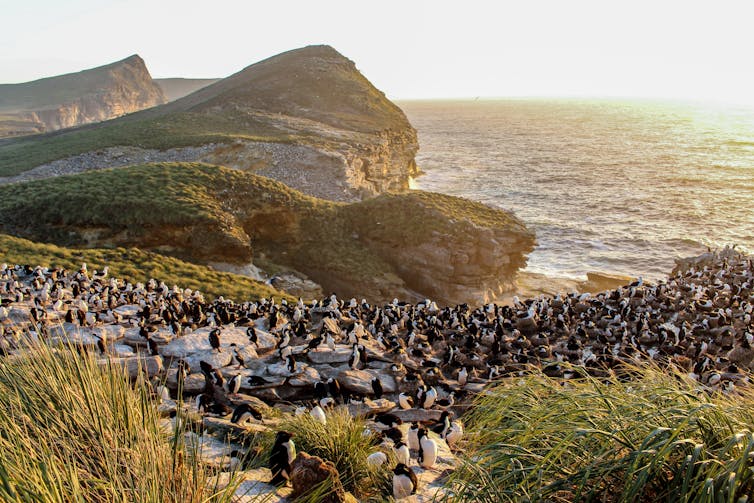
377 459
214 339
454 434
353 360
427 449
445 403
463 376
377 387
320 389
233 385
413 436
291 364
402 454
334 387
237 355
243 412
405 401
405 482
251 333
429 398
443 425
313 344
281 456
387 419
318 414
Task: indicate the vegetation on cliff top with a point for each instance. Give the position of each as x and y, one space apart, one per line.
321 88
206 213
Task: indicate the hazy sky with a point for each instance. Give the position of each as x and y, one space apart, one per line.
409 49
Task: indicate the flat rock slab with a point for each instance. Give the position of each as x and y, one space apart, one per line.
323 354
212 451
68 333
198 342
254 487
420 415
122 350
218 425
371 407
194 383
360 381
110 333
151 365
308 377
127 310
217 360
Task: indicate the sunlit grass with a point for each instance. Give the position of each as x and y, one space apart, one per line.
655 438
73 430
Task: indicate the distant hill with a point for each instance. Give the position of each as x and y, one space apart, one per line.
78 98
306 117
177 88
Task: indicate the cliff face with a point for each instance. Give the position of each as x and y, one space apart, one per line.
79 98
410 246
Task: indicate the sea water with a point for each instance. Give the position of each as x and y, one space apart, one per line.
614 186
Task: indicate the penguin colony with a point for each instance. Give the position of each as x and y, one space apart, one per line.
698 320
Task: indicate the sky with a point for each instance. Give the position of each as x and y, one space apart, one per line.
685 50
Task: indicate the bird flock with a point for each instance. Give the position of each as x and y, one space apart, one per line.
416 357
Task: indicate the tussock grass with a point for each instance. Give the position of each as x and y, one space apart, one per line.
655 438
343 442
71 430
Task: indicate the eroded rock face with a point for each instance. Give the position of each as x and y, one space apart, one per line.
79 98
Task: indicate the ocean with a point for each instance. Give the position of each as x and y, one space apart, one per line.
612 186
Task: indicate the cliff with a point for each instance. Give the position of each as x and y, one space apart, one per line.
306 117
409 245
78 98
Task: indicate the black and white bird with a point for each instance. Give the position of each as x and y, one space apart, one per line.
427 449
237 355
387 419
291 364
405 482
402 454
377 387
405 401
251 333
428 400
413 436
463 376
233 385
442 427
355 358
378 458
282 455
243 413
318 414
214 339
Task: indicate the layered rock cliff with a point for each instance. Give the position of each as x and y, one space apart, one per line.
410 246
79 98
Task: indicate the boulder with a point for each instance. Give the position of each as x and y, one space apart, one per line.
217 360
194 383
307 377
198 342
127 310
356 381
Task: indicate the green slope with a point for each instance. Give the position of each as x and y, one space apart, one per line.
137 265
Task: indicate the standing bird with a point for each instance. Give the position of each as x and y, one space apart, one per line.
377 387
402 454
427 449
463 376
233 386
251 333
243 412
237 355
413 436
405 401
353 360
291 364
282 455
405 482
429 398
214 339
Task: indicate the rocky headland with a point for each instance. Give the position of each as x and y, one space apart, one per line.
79 98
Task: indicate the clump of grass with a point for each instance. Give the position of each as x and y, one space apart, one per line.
343 442
73 430
655 438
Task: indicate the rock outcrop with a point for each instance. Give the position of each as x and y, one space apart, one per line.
78 98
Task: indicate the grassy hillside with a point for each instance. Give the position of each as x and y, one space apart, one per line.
136 265
204 213
268 101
